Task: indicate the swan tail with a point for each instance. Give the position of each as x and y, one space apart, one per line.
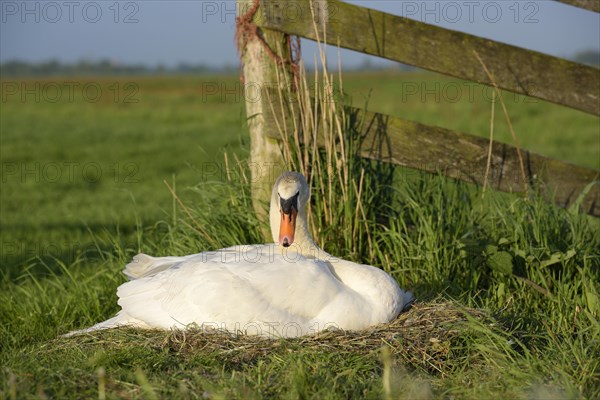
121 319
144 265
141 265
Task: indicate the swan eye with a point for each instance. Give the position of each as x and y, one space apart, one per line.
288 204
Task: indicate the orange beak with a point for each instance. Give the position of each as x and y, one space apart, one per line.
287 228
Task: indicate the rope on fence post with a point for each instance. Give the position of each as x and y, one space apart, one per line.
247 30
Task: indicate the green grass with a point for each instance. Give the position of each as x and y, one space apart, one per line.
507 287
80 166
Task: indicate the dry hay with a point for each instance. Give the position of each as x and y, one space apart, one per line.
421 336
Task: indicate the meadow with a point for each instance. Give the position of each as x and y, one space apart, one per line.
507 286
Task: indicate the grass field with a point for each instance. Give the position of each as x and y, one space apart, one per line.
507 287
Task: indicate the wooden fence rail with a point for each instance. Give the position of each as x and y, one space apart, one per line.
592 5
455 154
460 156
440 50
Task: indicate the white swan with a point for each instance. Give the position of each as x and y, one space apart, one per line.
286 289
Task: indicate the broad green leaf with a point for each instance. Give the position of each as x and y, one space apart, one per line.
490 249
503 241
557 257
501 261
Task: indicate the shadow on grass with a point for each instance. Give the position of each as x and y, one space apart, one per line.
41 253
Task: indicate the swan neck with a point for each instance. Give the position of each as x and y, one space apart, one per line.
303 240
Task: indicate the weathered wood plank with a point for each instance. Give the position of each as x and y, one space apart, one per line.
437 49
463 156
259 72
592 5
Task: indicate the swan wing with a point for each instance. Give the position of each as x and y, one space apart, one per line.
230 289
144 265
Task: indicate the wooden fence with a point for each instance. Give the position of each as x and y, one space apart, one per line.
264 30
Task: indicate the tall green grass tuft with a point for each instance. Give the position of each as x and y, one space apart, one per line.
351 195
220 216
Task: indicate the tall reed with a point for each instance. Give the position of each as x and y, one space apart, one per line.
321 138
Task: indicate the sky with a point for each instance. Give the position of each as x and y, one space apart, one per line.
168 33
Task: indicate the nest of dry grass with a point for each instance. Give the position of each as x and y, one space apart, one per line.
422 336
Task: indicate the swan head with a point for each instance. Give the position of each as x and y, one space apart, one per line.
288 208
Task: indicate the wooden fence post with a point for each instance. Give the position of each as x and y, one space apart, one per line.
260 49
